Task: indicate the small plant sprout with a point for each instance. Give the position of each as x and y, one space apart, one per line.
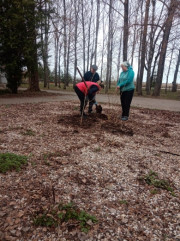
152 179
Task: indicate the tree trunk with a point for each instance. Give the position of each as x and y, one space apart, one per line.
59 64
102 56
119 57
65 42
108 48
169 68
143 49
174 83
46 75
76 10
140 44
151 52
168 25
134 37
56 58
89 38
154 64
84 37
33 66
126 30
97 30
68 49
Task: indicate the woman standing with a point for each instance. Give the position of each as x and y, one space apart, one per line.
126 86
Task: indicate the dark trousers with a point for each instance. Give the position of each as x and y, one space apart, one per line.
81 97
126 98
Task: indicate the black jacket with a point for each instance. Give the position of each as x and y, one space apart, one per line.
88 76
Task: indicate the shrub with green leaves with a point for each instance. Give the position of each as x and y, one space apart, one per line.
10 161
65 213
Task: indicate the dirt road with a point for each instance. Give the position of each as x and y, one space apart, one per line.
151 103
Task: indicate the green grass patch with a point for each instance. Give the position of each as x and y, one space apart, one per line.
125 202
154 191
10 161
29 132
97 149
67 213
152 179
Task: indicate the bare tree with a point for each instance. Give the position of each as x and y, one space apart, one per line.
126 29
89 37
76 12
151 50
65 41
108 71
97 30
174 83
168 24
143 49
169 68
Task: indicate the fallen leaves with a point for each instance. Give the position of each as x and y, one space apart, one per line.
96 165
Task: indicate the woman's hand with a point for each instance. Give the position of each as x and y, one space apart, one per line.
117 88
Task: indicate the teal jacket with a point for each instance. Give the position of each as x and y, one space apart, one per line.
125 81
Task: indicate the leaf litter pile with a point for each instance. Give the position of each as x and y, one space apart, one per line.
100 180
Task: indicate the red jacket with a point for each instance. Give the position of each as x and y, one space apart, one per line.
82 87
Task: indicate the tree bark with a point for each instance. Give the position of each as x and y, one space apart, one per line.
126 30
84 37
76 10
33 66
119 56
56 58
174 83
151 51
89 38
97 29
108 47
143 49
169 68
171 12
65 42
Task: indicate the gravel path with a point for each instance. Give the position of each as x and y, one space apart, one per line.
151 103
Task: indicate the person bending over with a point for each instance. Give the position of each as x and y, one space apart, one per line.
126 86
87 89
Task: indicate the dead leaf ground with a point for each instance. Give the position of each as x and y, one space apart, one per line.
95 165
